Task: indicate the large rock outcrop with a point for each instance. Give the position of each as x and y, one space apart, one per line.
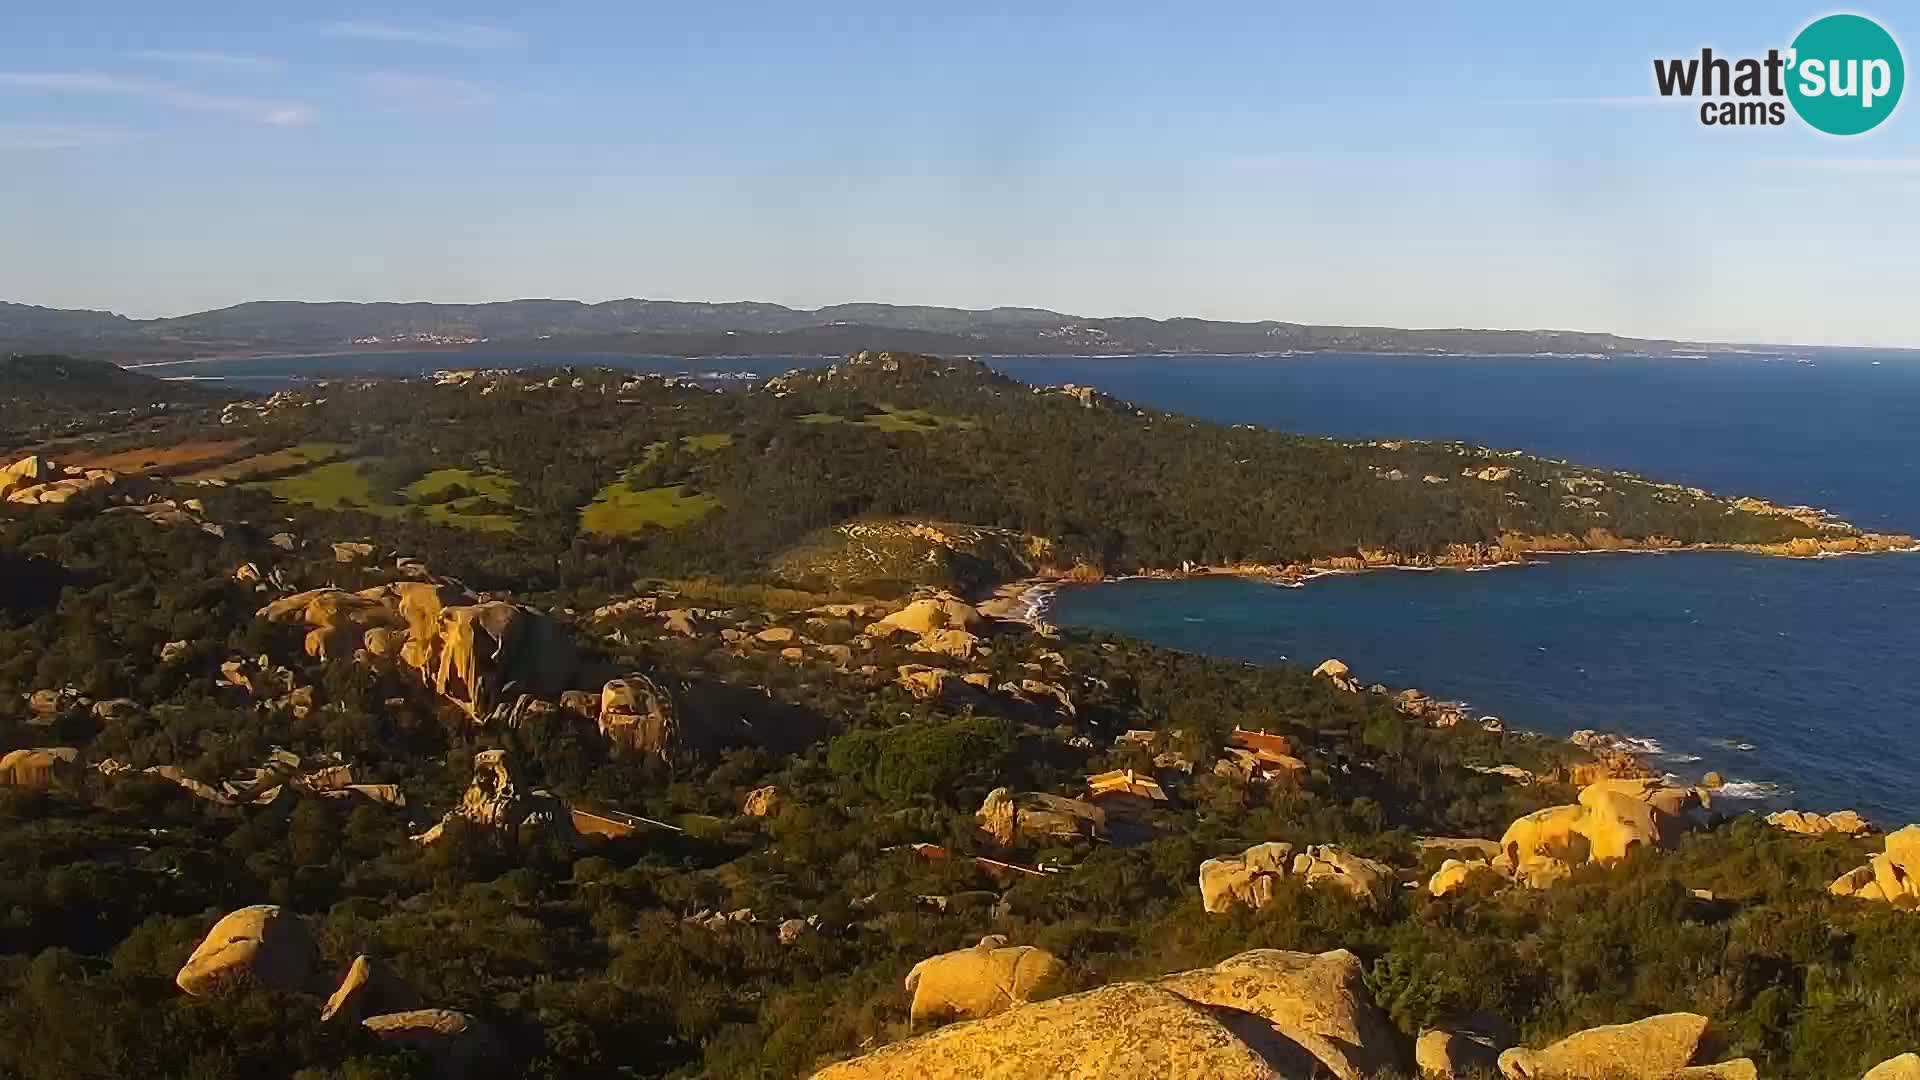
1904 1067
498 800
639 714
1456 874
476 654
1613 818
1317 1003
1244 879
1655 1048
988 978
369 987
1249 877
459 1046
1010 816
1124 1030
40 768
1893 876
1262 1015
1840 822
265 943
922 617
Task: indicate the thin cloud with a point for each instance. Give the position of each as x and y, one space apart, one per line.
25 137
208 60
450 35
403 91
278 113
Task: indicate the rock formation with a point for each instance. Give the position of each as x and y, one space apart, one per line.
1262 1015
637 713
475 654
762 802
1363 879
1337 672
1247 878
40 768
1461 1048
942 611
1128 1029
458 1045
1612 819
36 481
1893 876
264 942
369 987
1657 1048
1904 1067
1840 822
1008 816
498 800
1315 1003
988 978
1457 874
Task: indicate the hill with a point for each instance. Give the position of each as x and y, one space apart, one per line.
41 394
611 720
674 327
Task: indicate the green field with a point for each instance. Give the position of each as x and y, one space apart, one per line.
343 485
622 510
890 418
307 453
695 444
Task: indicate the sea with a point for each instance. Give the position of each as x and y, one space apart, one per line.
1795 679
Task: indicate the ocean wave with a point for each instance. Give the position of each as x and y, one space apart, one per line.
1682 759
1751 789
1625 744
1741 745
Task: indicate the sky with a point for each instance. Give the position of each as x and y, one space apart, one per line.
1417 164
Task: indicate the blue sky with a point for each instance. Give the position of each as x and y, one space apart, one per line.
1401 164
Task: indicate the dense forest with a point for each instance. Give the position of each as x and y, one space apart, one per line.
700 540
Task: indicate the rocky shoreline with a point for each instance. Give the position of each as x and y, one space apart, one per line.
1027 599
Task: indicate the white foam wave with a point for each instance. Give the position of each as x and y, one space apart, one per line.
1751 789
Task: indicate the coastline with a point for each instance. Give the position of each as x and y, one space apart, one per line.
1028 599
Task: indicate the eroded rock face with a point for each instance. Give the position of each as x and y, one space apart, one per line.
973 983
1461 1049
474 654
762 802
1613 818
498 800
264 942
40 768
1456 874
1338 673
1652 1049
1363 879
1841 822
459 1045
1904 1067
1247 878
1893 876
369 988
922 617
1009 816
1124 1030
1316 1003
637 713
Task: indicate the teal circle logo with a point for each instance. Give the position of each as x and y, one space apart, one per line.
1845 74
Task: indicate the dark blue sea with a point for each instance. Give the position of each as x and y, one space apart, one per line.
1796 679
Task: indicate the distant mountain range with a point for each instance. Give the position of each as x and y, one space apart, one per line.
682 328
